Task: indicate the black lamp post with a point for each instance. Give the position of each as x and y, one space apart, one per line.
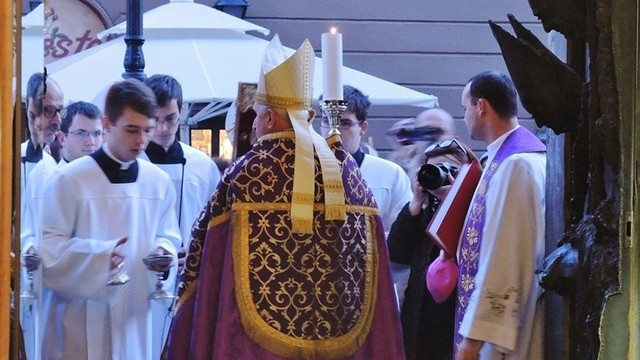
237 8
133 57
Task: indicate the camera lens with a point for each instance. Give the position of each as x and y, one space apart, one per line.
431 176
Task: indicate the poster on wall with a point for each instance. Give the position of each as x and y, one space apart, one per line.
71 26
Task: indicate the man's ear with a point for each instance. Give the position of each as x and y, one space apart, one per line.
62 138
481 106
271 121
106 123
363 127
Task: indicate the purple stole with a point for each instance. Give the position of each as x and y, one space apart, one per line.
519 141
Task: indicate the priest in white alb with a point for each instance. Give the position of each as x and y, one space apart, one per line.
499 312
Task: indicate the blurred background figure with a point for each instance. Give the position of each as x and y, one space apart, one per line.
413 135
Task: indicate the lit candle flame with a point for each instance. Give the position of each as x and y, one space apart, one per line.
334 30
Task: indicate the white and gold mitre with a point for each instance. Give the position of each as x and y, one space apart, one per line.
286 82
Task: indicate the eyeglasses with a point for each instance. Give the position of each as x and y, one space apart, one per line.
85 134
50 111
344 124
446 144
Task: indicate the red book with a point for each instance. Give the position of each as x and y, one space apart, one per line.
446 225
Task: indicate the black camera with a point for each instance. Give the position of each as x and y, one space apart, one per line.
433 176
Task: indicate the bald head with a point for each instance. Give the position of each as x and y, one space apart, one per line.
438 118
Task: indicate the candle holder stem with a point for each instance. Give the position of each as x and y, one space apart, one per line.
333 110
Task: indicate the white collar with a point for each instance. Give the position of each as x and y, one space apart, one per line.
123 165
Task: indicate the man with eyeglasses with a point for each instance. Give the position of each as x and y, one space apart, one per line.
389 183
112 211
44 105
189 168
194 176
80 131
499 312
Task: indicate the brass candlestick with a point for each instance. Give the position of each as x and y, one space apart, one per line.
333 110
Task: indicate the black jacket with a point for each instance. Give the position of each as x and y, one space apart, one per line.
427 326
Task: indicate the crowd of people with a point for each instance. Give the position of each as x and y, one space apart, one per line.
306 247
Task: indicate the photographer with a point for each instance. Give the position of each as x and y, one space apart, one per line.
427 326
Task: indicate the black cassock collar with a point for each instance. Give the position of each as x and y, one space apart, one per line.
34 154
157 154
111 168
359 157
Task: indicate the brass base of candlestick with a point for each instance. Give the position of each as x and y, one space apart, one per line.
333 110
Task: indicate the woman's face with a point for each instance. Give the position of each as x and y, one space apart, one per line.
441 192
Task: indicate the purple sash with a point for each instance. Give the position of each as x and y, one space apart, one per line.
519 141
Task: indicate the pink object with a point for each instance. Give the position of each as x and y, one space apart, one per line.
442 277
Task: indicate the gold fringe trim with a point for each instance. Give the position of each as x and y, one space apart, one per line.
335 212
285 346
286 207
335 207
301 225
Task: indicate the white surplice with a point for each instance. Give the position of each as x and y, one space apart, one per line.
26 168
391 189
506 310
390 185
93 320
31 199
194 188
201 177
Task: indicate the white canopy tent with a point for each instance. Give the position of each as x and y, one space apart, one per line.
208 62
172 16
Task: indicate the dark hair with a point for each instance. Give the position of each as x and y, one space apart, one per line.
132 94
357 102
35 92
82 108
166 88
496 88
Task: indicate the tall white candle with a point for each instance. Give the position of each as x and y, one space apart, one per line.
332 65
